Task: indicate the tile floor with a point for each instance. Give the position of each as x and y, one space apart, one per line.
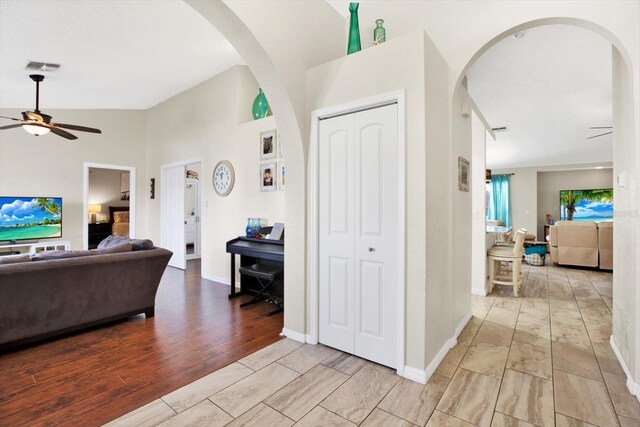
539 360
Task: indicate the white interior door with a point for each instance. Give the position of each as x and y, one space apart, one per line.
358 169
172 214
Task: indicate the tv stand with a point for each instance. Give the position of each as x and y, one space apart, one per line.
38 247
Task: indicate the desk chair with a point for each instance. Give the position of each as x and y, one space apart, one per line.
512 254
266 275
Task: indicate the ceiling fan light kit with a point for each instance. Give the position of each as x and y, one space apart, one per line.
37 123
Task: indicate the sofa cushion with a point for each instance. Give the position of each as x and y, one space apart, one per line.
115 249
59 255
14 259
138 244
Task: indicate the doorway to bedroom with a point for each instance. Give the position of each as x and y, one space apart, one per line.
109 203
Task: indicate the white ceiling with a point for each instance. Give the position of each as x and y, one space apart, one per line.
548 88
115 54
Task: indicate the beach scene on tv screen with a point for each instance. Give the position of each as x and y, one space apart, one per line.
586 205
30 218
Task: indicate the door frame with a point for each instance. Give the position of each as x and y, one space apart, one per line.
163 169
197 246
313 289
85 198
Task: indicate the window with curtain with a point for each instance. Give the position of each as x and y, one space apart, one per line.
500 200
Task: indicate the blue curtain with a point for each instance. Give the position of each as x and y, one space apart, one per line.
500 203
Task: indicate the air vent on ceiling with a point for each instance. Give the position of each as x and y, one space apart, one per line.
42 66
500 129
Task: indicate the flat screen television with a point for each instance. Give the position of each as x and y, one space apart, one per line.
30 218
586 205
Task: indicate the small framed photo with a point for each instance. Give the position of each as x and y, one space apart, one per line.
268 177
281 180
463 174
268 144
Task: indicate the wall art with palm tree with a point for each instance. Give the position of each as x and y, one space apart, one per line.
586 205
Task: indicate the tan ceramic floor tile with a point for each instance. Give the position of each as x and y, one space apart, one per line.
345 363
570 334
599 332
306 357
451 361
151 414
246 393
486 359
379 418
471 397
628 422
495 334
502 420
268 355
415 402
503 316
527 398
624 402
320 417
607 359
564 421
261 416
533 333
357 397
440 419
299 397
199 390
204 414
469 332
584 399
576 360
530 359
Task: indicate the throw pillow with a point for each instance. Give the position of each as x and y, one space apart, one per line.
59 255
138 244
121 217
115 249
14 259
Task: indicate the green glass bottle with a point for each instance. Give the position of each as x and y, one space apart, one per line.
354 30
379 33
260 106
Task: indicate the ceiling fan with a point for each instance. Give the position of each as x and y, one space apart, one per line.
601 128
38 123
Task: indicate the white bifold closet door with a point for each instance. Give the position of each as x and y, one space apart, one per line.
172 214
358 233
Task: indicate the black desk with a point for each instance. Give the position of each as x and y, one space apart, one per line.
254 251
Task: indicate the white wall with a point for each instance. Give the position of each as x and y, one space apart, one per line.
550 184
104 189
202 122
478 223
523 189
49 165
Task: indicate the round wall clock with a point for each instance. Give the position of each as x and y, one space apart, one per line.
223 177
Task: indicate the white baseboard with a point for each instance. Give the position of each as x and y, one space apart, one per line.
414 374
218 279
634 388
310 340
421 376
296 336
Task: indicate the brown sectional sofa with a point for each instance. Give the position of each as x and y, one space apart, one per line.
41 299
582 243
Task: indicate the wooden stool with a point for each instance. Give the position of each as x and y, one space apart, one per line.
266 275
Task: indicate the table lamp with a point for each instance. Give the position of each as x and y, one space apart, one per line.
93 210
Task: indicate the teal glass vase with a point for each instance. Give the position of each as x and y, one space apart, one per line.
354 30
260 106
379 33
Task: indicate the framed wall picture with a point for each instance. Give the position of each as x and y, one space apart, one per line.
281 179
463 174
268 177
268 144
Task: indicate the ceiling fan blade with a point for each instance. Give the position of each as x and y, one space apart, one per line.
62 133
32 116
76 127
602 134
11 126
601 127
11 118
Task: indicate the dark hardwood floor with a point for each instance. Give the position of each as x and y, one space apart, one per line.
93 377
